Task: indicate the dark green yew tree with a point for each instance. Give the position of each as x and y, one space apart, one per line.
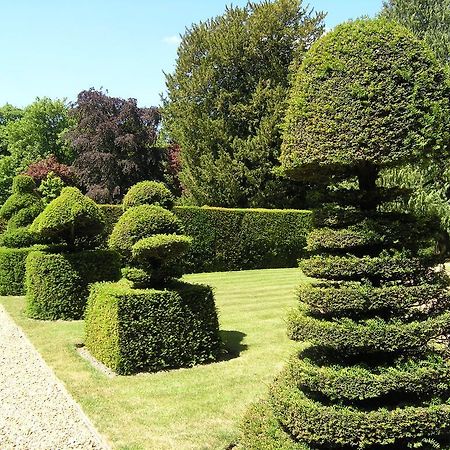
227 98
374 371
427 19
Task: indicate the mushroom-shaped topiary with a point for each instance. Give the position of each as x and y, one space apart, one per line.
58 276
148 193
374 373
71 218
368 95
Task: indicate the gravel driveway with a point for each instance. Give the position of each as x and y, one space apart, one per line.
36 411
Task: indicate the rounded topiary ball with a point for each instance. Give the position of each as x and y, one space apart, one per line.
141 222
148 193
367 94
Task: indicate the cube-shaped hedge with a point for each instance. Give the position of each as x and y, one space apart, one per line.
57 284
12 270
133 330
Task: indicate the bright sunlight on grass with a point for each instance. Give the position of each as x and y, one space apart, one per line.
196 408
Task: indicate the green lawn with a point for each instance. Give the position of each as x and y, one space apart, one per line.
198 408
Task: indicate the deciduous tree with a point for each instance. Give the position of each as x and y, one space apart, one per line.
114 141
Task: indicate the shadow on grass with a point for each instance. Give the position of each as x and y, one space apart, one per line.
233 343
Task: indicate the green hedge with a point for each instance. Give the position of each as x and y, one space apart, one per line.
12 270
236 239
57 283
132 330
111 214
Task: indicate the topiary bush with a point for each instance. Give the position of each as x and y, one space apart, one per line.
374 371
146 237
140 222
71 218
133 330
23 205
369 93
12 270
57 279
148 193
57 283
16 214
149 321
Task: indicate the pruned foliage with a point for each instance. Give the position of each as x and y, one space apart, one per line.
373 372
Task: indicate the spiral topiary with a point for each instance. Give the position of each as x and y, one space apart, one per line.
374 373
149 239
23 205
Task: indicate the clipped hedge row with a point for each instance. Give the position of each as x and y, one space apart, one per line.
235 239
57 283
132 330
12 270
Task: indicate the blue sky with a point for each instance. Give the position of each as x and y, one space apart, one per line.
56 48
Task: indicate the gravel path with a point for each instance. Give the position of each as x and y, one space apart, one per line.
36 411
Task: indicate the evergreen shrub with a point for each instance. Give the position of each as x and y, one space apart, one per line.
12 270
133 330
148 193
71 218
57 283
374 369
24 204
150 321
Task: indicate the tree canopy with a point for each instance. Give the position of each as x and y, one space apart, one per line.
427 19
114 141
31 135
226 100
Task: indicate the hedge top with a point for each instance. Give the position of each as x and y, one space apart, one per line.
72 218
367 93
148 193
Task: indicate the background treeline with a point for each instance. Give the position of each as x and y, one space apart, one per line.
216 138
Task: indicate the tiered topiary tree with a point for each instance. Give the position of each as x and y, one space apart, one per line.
151 321
375 372
58 277
19 210
17 213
